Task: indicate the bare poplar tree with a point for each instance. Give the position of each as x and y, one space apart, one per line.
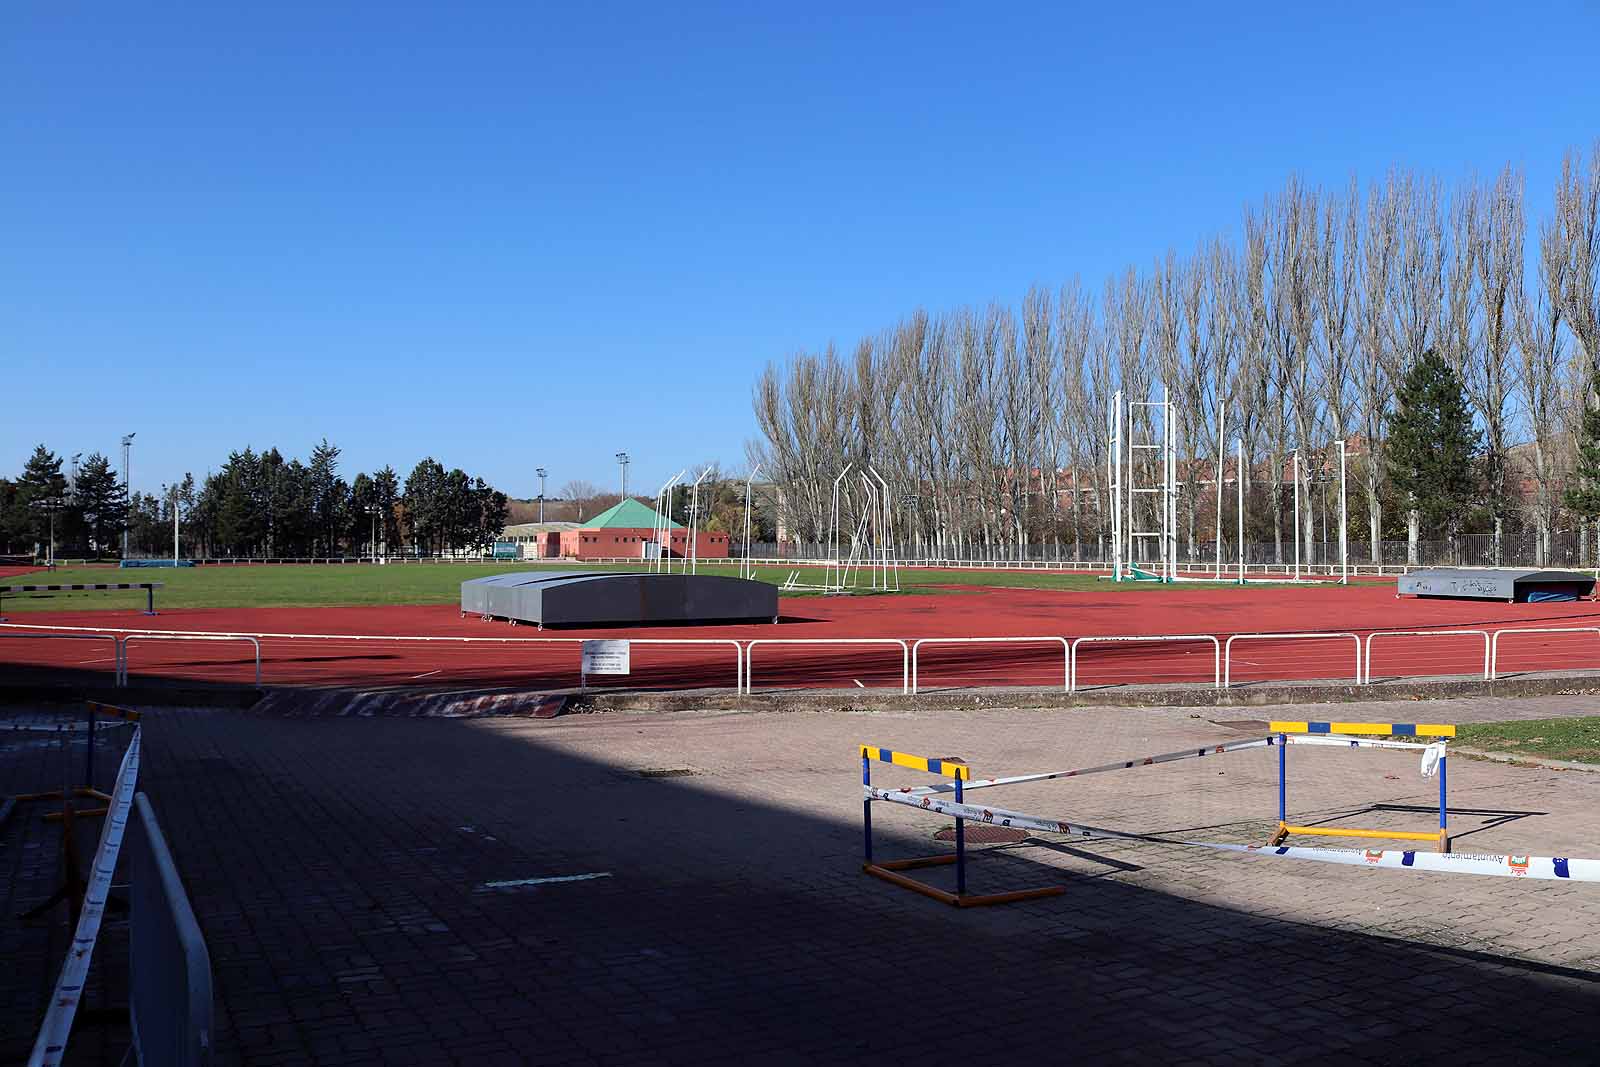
1496 229
1577 222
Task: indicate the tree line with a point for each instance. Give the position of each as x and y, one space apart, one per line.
258 504
991 422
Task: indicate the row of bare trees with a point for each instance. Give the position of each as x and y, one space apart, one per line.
990 423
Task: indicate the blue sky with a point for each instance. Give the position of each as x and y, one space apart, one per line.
513 235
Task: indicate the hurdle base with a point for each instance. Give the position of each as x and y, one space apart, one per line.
889 872
1440 837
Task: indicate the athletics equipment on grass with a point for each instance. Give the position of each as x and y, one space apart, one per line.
929 798
79 587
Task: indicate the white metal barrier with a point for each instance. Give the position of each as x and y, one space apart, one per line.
1066 663
1227 649
1216 650
750 654
116 645
738 651
1494 652
123 681
169 967
1427 633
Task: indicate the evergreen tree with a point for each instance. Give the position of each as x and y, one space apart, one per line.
101 498
1583 498
1433 447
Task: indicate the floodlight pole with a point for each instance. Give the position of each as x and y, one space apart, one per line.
541 472
50 505
622 458
127 484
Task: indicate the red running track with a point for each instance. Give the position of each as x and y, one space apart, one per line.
956 612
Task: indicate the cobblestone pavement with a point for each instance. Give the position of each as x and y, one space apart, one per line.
343 872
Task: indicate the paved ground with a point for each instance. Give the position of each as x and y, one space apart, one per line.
341 870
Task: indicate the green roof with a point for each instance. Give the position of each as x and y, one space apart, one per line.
628 515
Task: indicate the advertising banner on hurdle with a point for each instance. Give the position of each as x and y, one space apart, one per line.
1508 866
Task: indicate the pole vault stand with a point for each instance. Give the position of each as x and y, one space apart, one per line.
1281 732
889 870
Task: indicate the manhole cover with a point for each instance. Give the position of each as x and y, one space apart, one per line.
665 772
985 835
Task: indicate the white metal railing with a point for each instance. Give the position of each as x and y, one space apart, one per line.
1227 649
1427 633
750 654
1216 649
738 651
123 678
116 645
1494 651
1066 662
744 651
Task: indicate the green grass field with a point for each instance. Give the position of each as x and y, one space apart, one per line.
308 585
1564 739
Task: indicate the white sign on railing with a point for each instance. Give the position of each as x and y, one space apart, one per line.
605 657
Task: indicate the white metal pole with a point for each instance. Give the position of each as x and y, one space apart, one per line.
1238 481
1344 525
1297 531
693 565
748 570
834 565
174 527
1222 456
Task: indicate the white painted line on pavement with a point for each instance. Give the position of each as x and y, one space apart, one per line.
515 883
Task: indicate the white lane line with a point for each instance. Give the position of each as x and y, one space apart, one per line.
414 677
545 881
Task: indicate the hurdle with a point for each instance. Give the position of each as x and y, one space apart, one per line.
1324 733
889 870
148 587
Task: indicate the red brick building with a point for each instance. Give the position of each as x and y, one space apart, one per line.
624 531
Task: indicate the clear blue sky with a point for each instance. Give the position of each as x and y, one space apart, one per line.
507 235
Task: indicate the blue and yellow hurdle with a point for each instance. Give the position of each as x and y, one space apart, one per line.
1401 729
888 870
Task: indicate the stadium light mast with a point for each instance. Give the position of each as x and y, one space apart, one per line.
374 510
50 505
541 472
622 458
127 486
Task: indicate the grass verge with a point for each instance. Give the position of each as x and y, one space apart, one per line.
1577 740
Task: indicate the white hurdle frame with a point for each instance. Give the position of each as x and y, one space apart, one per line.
1494 652
1227 649
1072 658
1427 633
750 654
123 682
1066 657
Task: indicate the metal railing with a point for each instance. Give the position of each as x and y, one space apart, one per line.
1227 649
1216 648
750 654
1066 662
1427 633
122 671
1494 652
116 644
169 967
